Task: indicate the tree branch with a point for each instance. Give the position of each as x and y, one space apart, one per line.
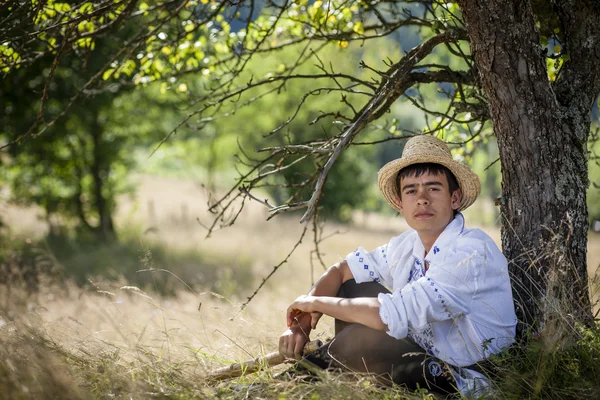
389 91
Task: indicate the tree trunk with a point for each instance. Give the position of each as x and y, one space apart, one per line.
542 140
105 229
77 196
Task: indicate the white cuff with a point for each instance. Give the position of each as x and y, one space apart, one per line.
394 317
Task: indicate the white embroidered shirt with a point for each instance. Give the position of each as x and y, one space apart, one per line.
461 309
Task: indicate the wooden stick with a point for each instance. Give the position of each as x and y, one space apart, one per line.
251 366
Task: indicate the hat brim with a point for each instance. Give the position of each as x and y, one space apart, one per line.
468 181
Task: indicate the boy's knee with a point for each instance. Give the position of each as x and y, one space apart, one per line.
350 289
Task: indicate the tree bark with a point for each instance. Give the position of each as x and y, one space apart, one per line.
542 135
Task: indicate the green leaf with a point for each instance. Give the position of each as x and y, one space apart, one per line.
359 28
192 63
107 73
86 8
62 7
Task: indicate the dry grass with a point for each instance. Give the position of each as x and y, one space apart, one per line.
124 343
114 340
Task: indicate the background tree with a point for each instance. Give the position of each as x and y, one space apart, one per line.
76 169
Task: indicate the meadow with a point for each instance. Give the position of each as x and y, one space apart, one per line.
176 314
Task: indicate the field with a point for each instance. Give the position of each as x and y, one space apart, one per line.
115 338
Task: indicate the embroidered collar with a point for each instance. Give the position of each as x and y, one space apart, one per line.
450 233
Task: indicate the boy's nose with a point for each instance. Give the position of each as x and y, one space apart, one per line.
423 200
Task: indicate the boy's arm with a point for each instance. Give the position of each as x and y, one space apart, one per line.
292 342
330 282
361 310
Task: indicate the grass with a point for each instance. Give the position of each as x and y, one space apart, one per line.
75 343
151 264
123 337
559 370
127 344
43 362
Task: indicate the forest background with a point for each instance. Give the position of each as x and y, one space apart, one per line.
105 215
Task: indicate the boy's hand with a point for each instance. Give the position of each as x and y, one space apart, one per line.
292 341
303 305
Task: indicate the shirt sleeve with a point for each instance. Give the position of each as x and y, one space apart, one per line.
370 266
419 303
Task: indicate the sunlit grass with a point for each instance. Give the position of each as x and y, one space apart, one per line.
124 343
124 338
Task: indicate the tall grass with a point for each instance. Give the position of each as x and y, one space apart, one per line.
128 334
114 340
558 360
143 261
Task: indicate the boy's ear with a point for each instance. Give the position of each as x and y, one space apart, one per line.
456 198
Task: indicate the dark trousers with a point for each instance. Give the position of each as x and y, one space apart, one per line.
359 348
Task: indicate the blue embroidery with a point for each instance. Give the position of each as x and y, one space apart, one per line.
420 264
425 340
435 369
371 273
360 259
366 266
357 254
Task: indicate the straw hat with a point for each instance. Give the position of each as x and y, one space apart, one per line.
427 149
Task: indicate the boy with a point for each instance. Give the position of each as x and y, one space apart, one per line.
450 305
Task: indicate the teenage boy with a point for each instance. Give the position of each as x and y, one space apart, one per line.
449 305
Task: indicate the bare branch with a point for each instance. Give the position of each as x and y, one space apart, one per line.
275 268
390 90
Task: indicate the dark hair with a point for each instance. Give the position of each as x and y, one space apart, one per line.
417 170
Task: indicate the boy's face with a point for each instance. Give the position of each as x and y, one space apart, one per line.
427 204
